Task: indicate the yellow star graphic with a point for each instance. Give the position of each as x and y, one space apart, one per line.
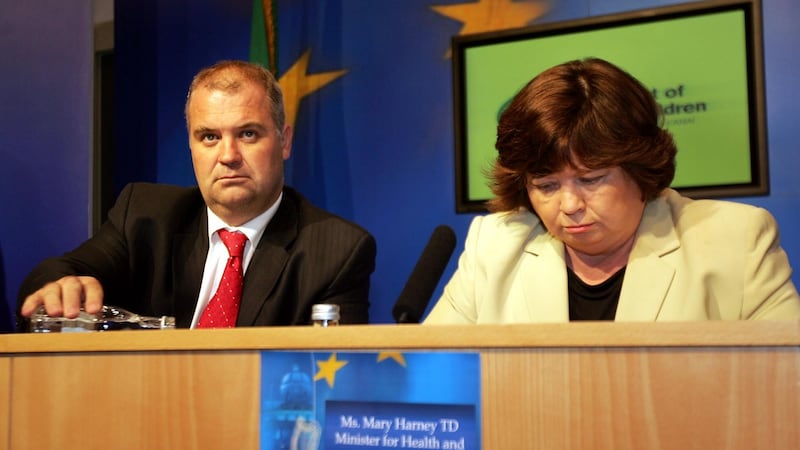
328 369
296 83
493 15
397 356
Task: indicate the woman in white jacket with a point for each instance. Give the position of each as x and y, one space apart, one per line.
585 227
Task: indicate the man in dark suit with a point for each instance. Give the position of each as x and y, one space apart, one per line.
160 252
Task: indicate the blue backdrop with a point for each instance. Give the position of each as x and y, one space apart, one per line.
374 145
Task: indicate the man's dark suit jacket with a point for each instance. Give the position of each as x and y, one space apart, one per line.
149 257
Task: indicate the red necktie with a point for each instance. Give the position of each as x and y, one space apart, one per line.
223 308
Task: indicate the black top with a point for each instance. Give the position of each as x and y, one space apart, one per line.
598 302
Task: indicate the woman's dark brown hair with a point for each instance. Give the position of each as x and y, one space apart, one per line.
586 112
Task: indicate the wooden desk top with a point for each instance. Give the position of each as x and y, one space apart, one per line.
402 337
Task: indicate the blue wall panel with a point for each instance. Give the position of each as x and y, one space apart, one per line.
46 123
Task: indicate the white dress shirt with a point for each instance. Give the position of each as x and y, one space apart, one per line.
218 254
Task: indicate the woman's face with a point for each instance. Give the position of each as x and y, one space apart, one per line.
594 212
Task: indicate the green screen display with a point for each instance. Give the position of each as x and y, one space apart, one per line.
702 64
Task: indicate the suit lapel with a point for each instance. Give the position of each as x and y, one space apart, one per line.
269 260
188 261
648 277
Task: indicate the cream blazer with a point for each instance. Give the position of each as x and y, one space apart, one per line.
692 260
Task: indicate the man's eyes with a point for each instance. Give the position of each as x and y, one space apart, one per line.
246 134
249 134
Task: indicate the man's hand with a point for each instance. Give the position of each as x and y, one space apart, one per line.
64 297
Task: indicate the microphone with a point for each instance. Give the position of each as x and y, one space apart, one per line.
416 294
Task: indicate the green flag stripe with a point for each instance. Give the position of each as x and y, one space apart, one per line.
263 34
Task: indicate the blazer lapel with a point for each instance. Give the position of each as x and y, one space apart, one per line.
545 283
648 277
269 260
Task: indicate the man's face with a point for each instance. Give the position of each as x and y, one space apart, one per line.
237 152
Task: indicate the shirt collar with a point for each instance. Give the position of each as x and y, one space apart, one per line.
253 229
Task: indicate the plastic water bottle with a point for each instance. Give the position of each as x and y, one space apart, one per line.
108 319
325 315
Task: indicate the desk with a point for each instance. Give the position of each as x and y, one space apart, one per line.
704 385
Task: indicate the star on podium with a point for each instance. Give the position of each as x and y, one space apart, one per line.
397 356
328 369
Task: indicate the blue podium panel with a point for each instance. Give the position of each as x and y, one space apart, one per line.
330 400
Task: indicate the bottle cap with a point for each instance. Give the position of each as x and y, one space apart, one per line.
325 311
